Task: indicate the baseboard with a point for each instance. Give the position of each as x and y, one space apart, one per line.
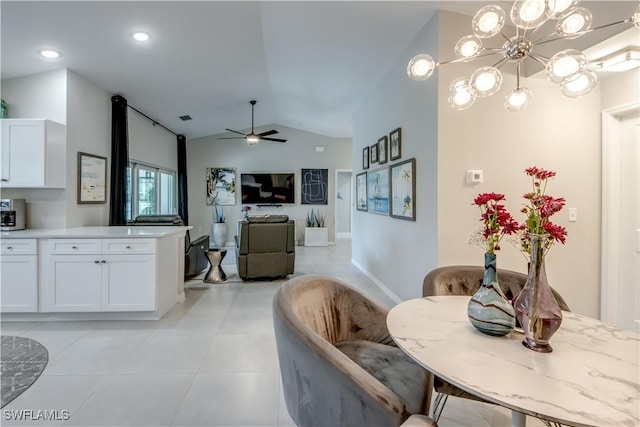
395 298
343 235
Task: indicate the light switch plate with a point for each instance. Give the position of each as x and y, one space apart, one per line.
475 176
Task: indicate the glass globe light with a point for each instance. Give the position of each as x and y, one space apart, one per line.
580 84
564 64
468 47
460 95
530 13
485 81
518 99
574 25
636 17
561 8
421 67
488 21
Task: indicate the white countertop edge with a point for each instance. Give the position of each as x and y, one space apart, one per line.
96 232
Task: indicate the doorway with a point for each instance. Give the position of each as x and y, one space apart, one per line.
343 203
620 296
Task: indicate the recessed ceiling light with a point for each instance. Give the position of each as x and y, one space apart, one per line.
49 53
140 36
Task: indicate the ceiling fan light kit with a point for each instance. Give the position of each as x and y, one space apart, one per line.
568 68
253 138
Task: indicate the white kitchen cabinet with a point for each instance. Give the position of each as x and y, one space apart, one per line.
19 276
32 154
99 275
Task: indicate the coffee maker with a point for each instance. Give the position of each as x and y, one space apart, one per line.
12 214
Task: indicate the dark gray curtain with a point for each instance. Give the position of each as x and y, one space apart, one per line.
183 202
119 159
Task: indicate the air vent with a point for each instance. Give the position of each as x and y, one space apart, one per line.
185 118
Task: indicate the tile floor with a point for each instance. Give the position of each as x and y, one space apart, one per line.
211 361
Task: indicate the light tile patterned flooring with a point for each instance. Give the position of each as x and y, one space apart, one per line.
211 361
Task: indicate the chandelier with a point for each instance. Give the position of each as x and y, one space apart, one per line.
568 68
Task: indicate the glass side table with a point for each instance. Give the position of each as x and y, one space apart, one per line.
215 273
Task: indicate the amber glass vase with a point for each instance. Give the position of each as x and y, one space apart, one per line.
537 310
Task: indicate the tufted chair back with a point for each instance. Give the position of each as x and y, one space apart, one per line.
466 279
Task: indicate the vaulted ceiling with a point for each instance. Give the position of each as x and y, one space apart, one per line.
310 64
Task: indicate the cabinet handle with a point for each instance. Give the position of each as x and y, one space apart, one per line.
128 247
103 261
9 248
5 180
74 247
97 262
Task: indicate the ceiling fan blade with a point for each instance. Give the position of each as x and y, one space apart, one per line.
235 131
269 132
273 139
234 137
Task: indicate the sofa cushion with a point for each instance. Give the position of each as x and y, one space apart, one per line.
268 218
393 368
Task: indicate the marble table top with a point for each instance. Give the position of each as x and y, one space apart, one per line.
591 378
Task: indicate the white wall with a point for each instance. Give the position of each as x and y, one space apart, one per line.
396 252
151 144
621 89
88 131
297 153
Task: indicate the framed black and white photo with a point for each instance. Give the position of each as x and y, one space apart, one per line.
383 145
92 179
374 153
361 191
395 144
365 157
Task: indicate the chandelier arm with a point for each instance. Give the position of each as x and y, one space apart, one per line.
453 61
500 63
504 36
518 75
541 59
624 21
542 40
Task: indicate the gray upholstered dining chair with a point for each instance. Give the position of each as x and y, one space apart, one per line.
339 365
466 280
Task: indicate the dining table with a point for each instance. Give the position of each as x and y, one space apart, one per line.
591 378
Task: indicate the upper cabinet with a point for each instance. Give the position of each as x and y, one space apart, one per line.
32 154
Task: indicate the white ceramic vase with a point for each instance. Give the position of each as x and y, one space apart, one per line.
219 233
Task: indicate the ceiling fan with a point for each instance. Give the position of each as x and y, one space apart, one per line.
253 138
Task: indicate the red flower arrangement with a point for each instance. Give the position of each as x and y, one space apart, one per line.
540 208
497 221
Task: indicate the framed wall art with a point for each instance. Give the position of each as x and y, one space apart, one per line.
365 157
378 191
315 185
361 191
92 179
383 147
403 190
221 186
395 145
374 153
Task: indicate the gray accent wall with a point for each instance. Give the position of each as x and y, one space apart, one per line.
397 253
297 153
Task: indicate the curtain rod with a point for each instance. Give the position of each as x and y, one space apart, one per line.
153 121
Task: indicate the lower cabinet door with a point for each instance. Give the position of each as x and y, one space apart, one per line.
72 283
129 283
19 284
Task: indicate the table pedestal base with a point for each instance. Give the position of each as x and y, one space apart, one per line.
215 273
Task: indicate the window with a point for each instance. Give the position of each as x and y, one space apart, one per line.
151 190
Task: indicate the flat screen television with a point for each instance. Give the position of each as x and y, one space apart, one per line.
267 188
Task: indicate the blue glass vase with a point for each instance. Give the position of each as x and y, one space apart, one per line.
488 310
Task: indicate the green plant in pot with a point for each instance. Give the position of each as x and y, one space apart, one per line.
219 226
315 219
316 233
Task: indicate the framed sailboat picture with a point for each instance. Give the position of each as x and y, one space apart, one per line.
378 191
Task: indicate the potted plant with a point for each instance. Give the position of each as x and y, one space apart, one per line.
315 232
219 226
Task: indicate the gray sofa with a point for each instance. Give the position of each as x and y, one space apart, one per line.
265 247
339 365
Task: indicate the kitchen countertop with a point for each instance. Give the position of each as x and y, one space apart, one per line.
96 232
